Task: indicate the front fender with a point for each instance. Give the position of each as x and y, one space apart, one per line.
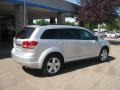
104 43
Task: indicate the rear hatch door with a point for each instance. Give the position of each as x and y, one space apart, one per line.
23 34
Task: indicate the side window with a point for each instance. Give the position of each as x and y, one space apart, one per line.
51 34
70 34
61 34
85 35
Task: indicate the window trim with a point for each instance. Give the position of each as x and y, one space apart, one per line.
59 38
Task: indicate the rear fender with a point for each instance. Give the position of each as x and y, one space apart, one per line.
46 53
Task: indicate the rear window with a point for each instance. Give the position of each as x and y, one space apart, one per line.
24 33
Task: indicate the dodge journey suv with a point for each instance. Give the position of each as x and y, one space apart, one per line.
49 47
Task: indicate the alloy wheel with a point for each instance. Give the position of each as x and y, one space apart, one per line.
104 55
53 65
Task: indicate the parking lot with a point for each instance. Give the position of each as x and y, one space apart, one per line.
82 75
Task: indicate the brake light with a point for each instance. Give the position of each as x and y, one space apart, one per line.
29 44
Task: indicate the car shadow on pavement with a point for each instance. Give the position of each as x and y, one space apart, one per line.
69 67
72 66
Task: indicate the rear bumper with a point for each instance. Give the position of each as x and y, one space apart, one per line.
26 61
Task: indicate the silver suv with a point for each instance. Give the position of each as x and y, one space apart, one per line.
49 47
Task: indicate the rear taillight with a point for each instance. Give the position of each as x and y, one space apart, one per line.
29 44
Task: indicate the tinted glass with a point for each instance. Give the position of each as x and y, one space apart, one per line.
51 34
85 35
24 33
70 34
61 34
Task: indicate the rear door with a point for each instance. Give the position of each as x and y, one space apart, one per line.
50 39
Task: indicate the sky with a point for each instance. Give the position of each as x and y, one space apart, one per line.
73 1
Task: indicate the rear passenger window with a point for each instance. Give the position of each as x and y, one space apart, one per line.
51 34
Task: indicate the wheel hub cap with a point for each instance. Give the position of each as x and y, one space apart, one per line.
104 55
53 65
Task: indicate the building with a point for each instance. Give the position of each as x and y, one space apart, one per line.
13 14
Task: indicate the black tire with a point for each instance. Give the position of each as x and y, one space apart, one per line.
103 56
49 59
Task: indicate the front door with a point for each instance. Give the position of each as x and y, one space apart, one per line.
90 46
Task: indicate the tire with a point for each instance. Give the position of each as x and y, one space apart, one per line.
52 65
103 56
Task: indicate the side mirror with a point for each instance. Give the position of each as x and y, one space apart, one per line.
96 38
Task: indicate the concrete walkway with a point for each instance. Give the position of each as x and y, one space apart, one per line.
83 75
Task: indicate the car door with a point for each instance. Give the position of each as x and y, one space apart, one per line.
90 45
72 43
50 39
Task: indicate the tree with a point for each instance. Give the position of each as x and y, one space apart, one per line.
70 23
97 11
90 26
42 22
114 25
